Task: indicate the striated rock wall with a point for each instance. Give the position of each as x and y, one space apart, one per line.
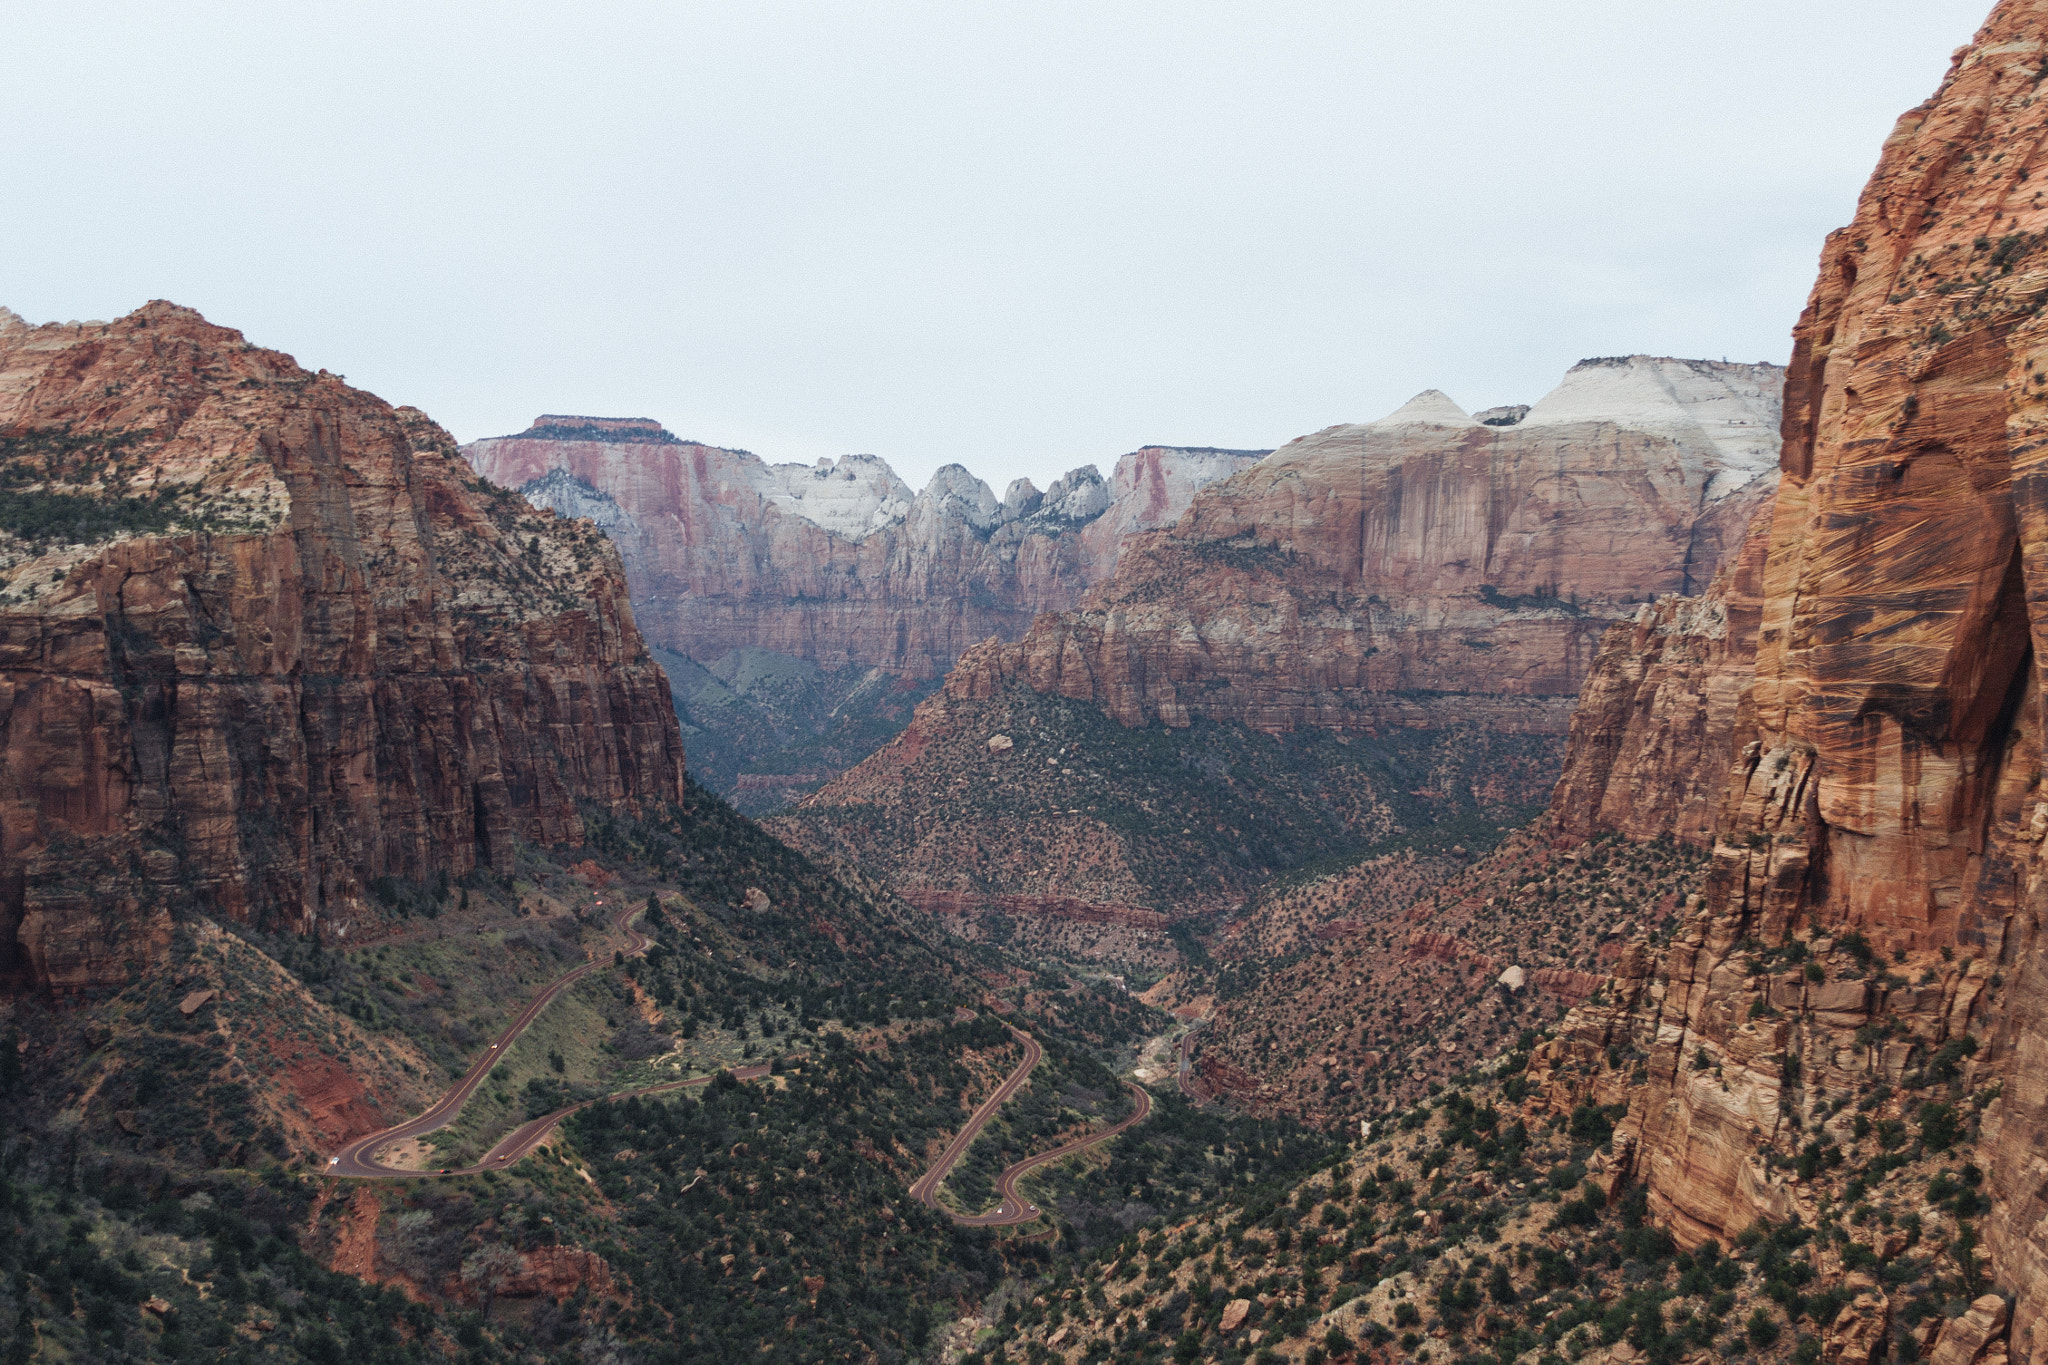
838 563
265 638
1655 732
1355 574
1884 817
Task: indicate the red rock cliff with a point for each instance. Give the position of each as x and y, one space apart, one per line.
1656 728
265 638
1355 573
839 563
1887 777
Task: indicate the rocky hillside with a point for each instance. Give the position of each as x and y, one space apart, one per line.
266 640
840 562
1486 1225
1086 839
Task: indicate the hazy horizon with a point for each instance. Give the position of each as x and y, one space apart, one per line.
1021 240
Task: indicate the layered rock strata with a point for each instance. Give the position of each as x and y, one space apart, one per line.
839 563
1356 574
1655 732
1884 818
265 639
1425 573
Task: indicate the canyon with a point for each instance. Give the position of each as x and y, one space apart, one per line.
266 640
1571 873
801 611
1428 592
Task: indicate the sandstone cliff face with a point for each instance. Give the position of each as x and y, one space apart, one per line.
264 638
839 563
1356 573
1428 574
1884 814
1655 732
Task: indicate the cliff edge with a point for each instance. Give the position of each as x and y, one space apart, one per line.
265 639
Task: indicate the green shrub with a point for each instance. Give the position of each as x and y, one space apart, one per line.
1940 1126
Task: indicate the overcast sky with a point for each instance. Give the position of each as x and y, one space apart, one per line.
1018 236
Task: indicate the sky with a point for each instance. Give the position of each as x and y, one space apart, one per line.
1020 237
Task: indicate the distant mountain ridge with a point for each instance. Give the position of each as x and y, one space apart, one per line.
839 562
1360 568
1409 605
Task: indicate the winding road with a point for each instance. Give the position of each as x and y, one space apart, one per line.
1014 1208
1184 1055
356 1160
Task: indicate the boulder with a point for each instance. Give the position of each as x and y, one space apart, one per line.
1973 1336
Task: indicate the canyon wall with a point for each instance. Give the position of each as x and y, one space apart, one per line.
1427 593
1883 820
1425 563
265 639
1655 731
838 563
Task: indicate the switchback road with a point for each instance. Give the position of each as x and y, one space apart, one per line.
1014 1208
355 1159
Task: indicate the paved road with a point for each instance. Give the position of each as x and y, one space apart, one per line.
355 1159
523 1139
1014 1208
1185 1052
926 1190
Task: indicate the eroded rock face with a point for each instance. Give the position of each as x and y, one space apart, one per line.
838 563
1356 570
1884 813
265 638
1655 732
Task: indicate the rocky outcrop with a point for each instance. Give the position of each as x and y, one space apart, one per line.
1427 573
1884 817
1358 577
265 639
839 563
1654 735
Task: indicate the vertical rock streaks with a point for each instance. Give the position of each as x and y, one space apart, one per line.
1883 804
322 652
